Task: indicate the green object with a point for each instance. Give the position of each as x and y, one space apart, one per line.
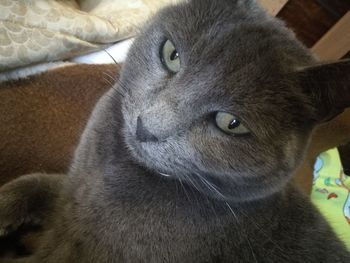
331 193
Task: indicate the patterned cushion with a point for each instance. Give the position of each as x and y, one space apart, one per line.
331 193
33 31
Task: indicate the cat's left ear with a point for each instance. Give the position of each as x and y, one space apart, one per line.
329 88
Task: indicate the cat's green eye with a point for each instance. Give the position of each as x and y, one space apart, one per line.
230 124
170 57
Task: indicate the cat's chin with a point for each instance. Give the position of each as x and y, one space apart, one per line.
228 190
212 186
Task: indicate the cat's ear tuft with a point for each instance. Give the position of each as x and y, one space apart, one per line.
329 88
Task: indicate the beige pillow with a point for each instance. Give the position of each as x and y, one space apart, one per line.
33 31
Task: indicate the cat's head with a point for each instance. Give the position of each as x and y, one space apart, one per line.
218 94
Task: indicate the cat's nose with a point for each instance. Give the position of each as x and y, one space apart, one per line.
142 134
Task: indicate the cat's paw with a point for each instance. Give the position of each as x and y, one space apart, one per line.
28 200
13 214
11 223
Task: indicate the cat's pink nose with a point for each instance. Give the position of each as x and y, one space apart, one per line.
142 134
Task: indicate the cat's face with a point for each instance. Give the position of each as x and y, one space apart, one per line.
207 99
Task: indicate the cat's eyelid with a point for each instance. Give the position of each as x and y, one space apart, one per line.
241 121
166 51
176 42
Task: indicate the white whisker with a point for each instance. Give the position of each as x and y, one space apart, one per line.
210 185
166 175
249 243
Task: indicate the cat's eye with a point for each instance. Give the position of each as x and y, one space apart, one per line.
170 57
230 124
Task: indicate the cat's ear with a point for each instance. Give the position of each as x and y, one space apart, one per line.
328 86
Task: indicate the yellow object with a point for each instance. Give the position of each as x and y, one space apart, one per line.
331 193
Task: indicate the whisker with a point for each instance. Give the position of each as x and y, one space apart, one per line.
166 175
192 190
249 243
257 226
210 185
110 76
261 229
183 187
110 56
193 183
108 81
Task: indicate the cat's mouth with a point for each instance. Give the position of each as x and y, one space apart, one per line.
212 186
196 180
145 159
142 152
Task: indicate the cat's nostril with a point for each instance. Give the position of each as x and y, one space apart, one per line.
142 134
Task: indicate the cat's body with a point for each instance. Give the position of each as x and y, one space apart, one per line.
156 180
143 217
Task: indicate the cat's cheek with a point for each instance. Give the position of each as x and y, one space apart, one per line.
209 149
128 126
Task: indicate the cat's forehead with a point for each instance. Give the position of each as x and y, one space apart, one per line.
207 30
213 19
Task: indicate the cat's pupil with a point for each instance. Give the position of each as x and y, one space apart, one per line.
174 55
234 124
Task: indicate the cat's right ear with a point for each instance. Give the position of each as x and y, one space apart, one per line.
328 86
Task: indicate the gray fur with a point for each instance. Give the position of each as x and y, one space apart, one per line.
226 198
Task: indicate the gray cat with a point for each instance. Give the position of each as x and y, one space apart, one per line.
189 157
